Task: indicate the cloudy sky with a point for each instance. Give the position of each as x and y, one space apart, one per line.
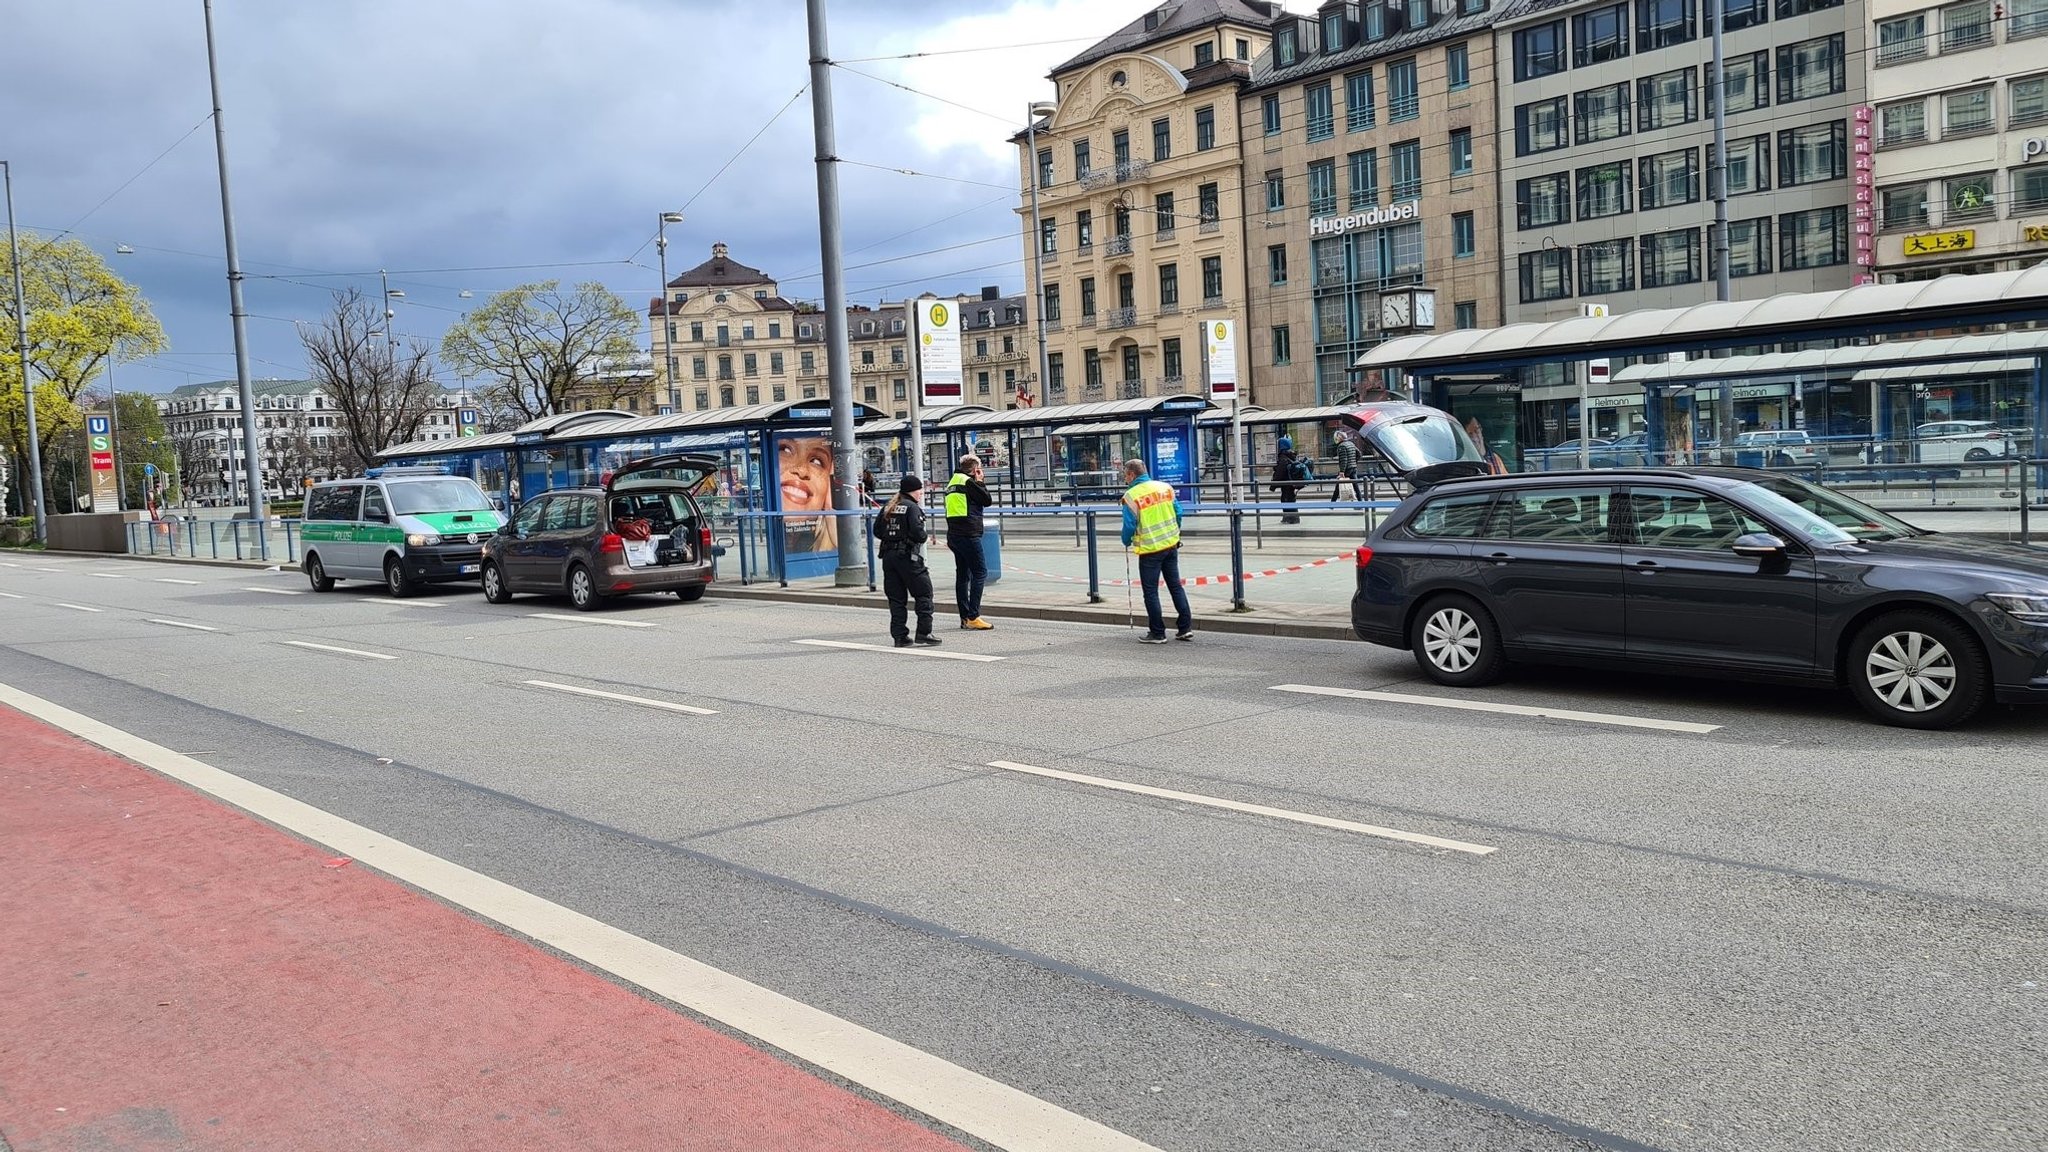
470 146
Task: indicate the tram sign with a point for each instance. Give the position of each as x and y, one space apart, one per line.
939 372
1219 339
99 432
465 422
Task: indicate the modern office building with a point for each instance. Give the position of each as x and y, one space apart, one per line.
1370 140
1140 173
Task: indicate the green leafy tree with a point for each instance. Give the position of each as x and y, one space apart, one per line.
81 317
534 345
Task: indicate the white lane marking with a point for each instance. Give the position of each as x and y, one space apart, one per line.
640 700
57 570
169 580
914 650
107 575
948 1093
8 564
415 603
80 607
275 591
182 624
13 595
343 651
1505 709
1254 809
591 620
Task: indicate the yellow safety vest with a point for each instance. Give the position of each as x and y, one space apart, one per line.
1158 521
956 497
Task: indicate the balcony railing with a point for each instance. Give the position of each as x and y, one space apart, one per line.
1169 385
1163 234
1120 245
1212 301
1123 171
1130 389
1120 318
1087 319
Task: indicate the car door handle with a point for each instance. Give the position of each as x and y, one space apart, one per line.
1649 567
1500 557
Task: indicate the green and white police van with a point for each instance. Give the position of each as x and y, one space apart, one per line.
404 530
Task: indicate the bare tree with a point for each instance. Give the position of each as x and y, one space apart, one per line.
384 390
534 345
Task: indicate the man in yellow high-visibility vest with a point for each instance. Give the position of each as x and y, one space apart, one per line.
1152 530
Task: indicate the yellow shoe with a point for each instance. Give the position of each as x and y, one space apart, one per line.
978 625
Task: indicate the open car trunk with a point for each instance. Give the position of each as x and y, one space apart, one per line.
1424 446
648 504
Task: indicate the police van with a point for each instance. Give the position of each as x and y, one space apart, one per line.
406 529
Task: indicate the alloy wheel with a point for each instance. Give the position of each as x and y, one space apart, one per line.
1911 671
1451 639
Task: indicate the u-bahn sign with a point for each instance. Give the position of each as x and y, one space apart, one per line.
99 433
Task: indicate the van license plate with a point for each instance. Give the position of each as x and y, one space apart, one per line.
468 568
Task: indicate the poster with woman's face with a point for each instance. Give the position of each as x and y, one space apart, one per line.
804 471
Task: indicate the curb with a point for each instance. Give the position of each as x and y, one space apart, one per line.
1246 624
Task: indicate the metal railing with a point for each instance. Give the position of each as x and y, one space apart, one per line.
194 539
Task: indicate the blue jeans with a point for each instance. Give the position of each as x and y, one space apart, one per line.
970 572
1152 568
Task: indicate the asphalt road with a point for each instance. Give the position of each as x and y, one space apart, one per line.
1795 930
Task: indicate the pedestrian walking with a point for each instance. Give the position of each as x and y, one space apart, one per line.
899 541
1494 464
966 496
1290 474
1152 530
1347 468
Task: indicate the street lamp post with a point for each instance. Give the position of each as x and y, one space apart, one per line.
28 392
238 315
1036 110
390 294
675 393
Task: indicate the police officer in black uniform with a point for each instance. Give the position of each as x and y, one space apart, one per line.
900 533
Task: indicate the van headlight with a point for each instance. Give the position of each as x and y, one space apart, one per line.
2025 608
416 540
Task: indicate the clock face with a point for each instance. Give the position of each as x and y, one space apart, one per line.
1425 310
1394 311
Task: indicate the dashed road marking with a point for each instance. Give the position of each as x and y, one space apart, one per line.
1505 709
183 624
343 651
1253 809
591 620
108 575
913 650
640 700
274 591
13 595
80 607
171 580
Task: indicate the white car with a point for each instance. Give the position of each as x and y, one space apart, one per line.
1781 448
1960 441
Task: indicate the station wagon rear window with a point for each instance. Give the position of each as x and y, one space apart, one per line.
1456 517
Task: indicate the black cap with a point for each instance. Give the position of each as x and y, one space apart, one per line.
911 483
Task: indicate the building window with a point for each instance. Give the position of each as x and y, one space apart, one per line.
1055 373
867 356
1812 154
1404 98
1276 191
1162 139
1902 123
1966 26
1747 79
1084 230
1600 35
1607 266
1322 118
2027 100
1749 248
1602 113
2030 188
1082 164
1671 258
1966 113
697 331
1052 303
1465 314
1406 178
1901 38
1088 299
1205 54
1335 32
698 367
1813 239
1276 264
1269 109
1743 13
1540 127
2026 18
1169 358
1543 201
753 393
1464 237
1286 45
1283 346
1365 179
1810 69
1049 236
807 362
1244 48
1358 109
1457 67
1045 167
1461 152
1169 287
1120 150
1205 129
703 398
1662 23
775 363
1091 370
1322 187
1749 164
1669 178
1968 197
1212 279
1604 190
1208 203
1163 217
1666 99
1787 9
1539 51
1546 275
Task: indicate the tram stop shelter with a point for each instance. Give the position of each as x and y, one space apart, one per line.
1074 453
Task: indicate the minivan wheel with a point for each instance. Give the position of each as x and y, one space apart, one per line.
1918 670
1456 642
693 592
583 589
316 574
495 589
394 579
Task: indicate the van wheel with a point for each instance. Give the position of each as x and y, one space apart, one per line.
495 589
583 589
1457 643
316 574
693 593
1918 670
395 581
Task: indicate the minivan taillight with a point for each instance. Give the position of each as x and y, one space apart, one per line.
1364 556
704 541
611 543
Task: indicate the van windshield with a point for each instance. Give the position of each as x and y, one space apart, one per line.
454 494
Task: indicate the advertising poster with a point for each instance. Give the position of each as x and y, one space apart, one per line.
939 370
804 476
1219 337
1171 452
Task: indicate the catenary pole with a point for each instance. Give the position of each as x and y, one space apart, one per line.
253 465
28 392
852 570
1724 408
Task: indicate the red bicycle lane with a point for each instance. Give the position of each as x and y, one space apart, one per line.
175 974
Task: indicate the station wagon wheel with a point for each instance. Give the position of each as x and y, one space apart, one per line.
316 574
495 589
1918 670
690 593
583 589
394 579
1457 643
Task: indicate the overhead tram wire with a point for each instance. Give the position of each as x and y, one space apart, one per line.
730 161
964 51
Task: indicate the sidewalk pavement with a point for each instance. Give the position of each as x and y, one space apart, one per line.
181 975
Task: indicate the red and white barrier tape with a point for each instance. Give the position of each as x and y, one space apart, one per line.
1195 581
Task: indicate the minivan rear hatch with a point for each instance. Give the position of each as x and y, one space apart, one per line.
682 467
1425 445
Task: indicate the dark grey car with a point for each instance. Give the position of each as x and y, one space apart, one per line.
642 531
1715 571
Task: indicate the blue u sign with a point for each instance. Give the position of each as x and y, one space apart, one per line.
96 425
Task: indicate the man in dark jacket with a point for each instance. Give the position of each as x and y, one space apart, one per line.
1288 477
966 495
900 530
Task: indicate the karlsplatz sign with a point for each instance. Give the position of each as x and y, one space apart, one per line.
1370 218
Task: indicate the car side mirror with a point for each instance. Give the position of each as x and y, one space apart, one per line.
1760 546
507 529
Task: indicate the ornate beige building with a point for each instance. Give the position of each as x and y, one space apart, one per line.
1140 174
731 338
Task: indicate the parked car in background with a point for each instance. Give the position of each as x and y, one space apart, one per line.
1780 447
1631 451
641 531
1963 441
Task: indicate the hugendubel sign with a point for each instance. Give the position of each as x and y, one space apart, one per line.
1370 218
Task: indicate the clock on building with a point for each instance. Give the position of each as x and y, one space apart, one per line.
1409 308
